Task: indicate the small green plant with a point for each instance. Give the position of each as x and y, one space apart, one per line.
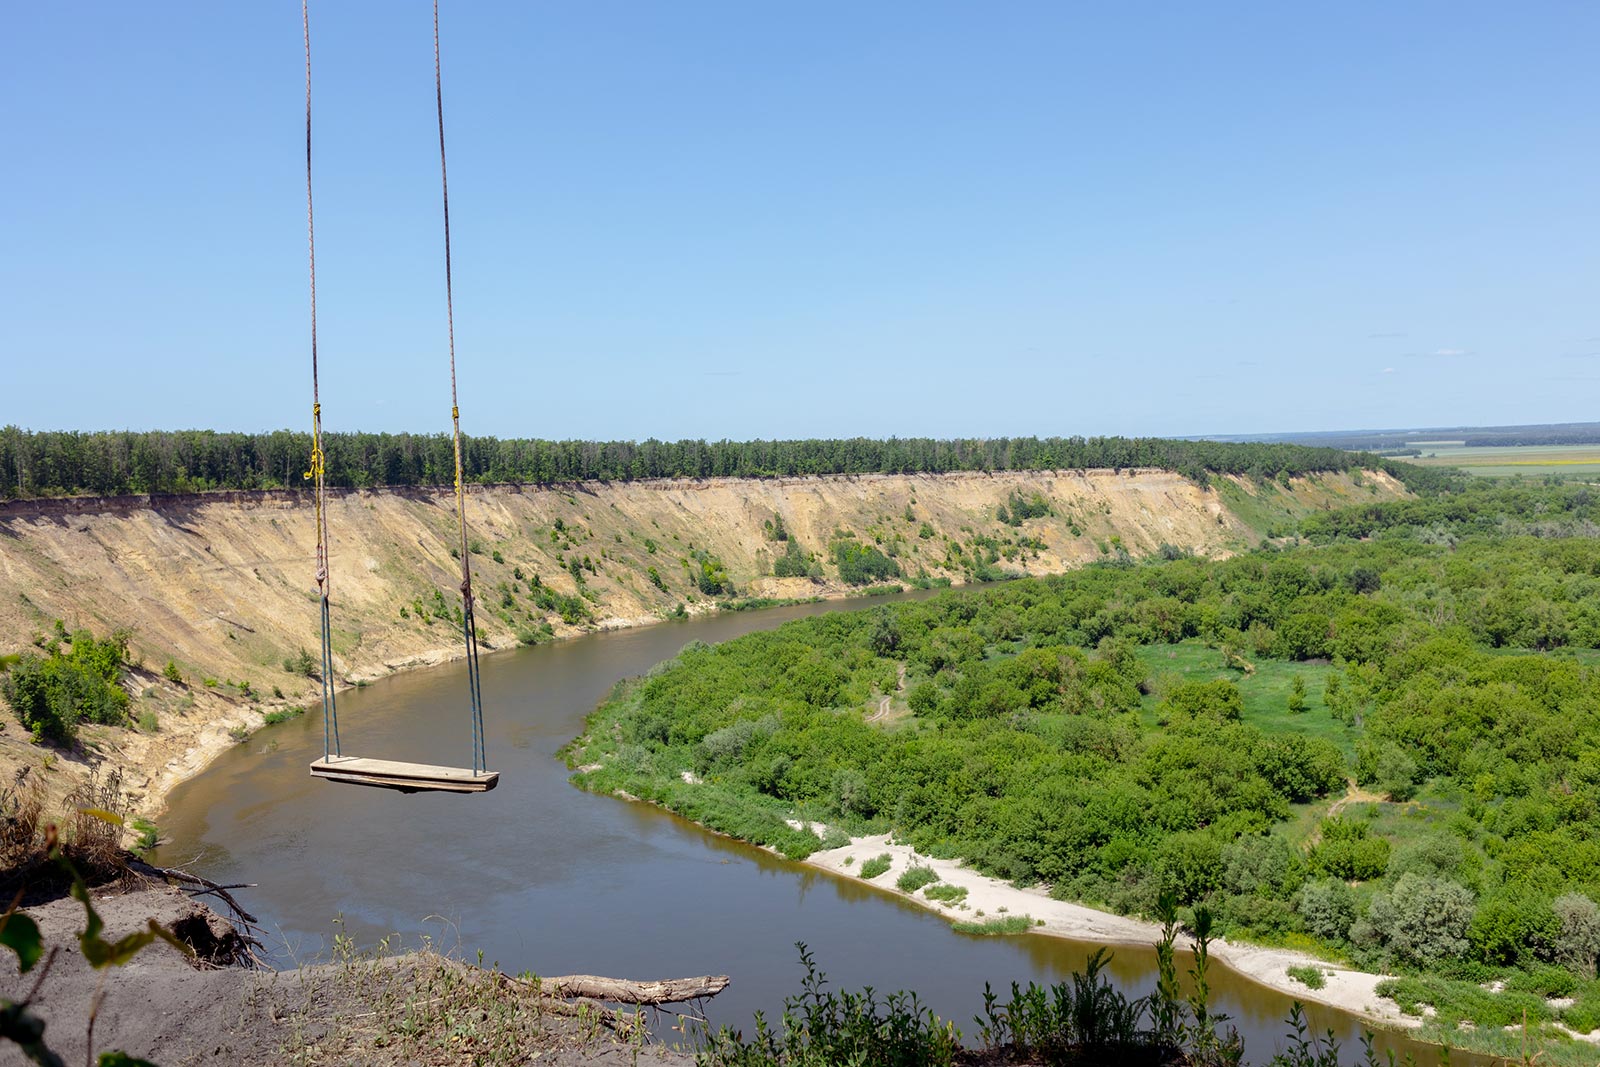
277 715
876 865
944 891
1308 976
171 673
302 662
914 878
149 836
148 722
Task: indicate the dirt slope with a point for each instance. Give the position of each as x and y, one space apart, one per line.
222 585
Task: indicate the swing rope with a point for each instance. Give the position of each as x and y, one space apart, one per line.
330 711
469 627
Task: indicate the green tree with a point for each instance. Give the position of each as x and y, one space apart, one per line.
1423 920
1297 694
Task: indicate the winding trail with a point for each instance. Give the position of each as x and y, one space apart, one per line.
883 705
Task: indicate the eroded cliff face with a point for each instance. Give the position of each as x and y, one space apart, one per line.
223 585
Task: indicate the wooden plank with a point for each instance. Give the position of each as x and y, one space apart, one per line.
405 777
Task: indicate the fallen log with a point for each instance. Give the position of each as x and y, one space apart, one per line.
623 991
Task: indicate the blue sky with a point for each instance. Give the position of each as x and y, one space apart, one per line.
825 219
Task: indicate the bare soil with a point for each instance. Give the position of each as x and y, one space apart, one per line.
417 1008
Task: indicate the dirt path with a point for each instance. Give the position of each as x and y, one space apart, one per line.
883 705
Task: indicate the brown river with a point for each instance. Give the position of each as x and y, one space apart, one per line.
543 877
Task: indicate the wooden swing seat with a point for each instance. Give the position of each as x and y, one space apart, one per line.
404 777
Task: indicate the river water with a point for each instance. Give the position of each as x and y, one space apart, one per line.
544 877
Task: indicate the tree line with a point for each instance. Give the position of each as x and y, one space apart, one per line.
44 463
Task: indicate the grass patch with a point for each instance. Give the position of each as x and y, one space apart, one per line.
1265 691
1009 924
945 892
876 865
1308 976
915 878
1456 1002
272 718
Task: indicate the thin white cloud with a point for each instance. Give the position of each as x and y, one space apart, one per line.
1388 370
1441 353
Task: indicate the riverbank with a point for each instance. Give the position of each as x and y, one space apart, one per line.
989 899
219 585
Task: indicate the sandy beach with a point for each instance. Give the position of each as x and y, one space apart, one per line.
1348 990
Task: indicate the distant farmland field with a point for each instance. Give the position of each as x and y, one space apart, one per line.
1531 460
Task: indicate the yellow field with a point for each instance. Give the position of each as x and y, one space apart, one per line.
1530 460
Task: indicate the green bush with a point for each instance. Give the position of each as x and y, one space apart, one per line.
1308 976
301 663
944 891
172 674
876 865
914 878
53 694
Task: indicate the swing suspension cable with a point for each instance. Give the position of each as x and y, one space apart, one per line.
330 711
469 627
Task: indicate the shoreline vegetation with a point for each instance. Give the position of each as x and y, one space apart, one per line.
1361 751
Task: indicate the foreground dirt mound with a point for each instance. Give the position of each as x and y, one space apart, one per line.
419 1008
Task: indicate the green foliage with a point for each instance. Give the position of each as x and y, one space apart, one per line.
996 926
1328 908
819 1027
1347 851
1083 731
302 663
914 878
171 673
860 564
794 563
1297 695
1577 945
1420 921
53 694
708 574
51 463
1309 976
876 865
946 893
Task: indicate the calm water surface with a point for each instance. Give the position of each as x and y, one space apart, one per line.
541 876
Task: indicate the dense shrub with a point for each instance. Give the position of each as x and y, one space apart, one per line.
1422 920
54 693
